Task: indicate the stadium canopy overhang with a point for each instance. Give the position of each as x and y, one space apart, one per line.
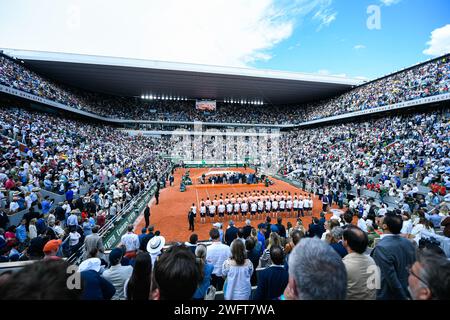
134 78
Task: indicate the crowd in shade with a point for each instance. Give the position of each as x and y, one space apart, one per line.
429 79
96 169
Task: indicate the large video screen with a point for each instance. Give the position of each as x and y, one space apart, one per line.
205 105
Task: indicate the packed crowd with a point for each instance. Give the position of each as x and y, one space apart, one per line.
333 259
42 152
393 156
431 78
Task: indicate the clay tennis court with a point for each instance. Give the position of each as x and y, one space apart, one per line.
170 215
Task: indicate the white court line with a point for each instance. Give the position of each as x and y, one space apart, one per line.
198 203
207 193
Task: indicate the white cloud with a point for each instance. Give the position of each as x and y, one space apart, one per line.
439 43
216 32
325 16
390 2
359 47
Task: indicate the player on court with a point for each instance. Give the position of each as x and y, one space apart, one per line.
260 208
207 204
311 204
253 208
244 210
275 208
212 212
295 206
282 206
301 207
229 209
289 207
202 212
221 210
237 208
268 207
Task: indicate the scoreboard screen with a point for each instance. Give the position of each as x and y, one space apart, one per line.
205 105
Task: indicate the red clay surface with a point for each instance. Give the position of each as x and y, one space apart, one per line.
170 215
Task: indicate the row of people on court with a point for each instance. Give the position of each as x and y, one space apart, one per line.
257 206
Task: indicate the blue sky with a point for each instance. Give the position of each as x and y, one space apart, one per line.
312 36
347 46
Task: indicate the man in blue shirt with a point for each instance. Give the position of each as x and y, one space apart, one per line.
21 231
261 236
435 219
46 205
69 195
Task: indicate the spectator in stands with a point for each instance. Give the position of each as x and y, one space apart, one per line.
205 270
74 239
176 275
41 280
281 228
262 235
360 268
131 242
51 249
434 218
273 280
94 241
335 240
155 247
422 225
316 272
144 240
72 220
192 243
393 255
231 233
240 235
94 286
429 277
117 274
296 236
137 287
237 270
216 255
274 240
253 254
247 228
315 229
21 232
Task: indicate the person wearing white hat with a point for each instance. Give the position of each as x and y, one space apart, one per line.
95 287
155 246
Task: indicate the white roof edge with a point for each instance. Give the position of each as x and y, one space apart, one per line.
176 66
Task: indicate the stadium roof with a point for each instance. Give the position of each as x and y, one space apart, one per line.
135 77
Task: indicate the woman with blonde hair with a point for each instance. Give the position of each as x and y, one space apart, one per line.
274 240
